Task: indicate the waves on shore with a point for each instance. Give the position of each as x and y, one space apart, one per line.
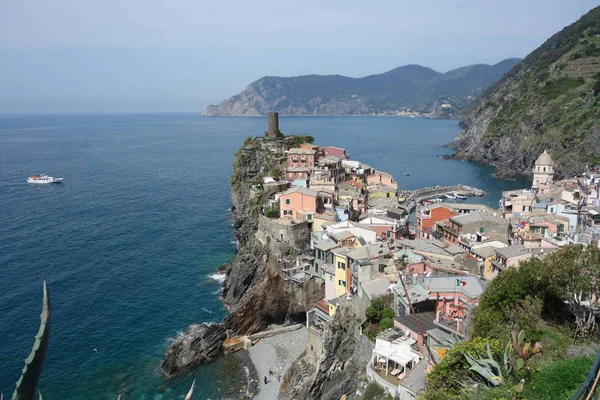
217 277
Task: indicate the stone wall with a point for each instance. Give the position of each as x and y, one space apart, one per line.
363 349
278 234
314 345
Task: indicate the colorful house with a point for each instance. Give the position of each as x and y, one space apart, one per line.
302 158
343 272
298 203
335 151
382 178
510 256
428 216
443 302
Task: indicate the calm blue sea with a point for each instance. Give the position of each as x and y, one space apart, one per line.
129 242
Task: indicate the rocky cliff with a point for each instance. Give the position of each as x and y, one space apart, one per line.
256 291
408 87
549 101
338 371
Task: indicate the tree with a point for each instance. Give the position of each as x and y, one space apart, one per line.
503 305
276 173
386 323
300 139
574 276
388 312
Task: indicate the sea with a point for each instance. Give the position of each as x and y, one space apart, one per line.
130 242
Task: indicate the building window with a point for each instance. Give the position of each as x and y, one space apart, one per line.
524 208
544 169
309 217
481 230
341 265
342 283
288 201
316 269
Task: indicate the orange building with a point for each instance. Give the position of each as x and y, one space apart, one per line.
428 216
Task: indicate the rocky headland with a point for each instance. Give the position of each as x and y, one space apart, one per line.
410 88
549 101
257 292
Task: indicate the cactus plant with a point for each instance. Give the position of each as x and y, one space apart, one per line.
27 383
488 368
523 351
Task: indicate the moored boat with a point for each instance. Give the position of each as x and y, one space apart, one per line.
42 178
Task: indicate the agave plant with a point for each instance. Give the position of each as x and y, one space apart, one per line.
487 368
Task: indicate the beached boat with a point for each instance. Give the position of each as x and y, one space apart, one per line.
43 179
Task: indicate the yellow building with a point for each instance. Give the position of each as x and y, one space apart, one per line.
485 255
342 271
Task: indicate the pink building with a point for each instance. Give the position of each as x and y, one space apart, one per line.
302 158
510 256
298 203
382 178
335 151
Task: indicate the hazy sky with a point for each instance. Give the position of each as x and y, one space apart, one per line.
63 56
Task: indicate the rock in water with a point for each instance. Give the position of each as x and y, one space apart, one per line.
199 344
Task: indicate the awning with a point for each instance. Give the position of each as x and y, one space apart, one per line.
401 358
507 203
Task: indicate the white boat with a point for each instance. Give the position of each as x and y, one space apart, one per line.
449 196
460 197
43 179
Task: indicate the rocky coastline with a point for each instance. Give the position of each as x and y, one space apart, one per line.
255 291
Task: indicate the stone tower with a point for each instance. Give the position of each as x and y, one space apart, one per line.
543 171
273 119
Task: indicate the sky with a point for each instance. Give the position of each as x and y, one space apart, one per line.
105 56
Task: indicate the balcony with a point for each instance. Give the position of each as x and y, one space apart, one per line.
452 324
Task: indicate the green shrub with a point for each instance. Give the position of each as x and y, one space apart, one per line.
444 381
375 392
272 212
300 139
388 312
385 323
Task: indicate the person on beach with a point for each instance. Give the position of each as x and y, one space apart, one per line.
266 380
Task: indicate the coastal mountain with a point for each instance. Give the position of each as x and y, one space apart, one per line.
549 101
411 87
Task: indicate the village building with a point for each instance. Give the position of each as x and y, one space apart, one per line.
427 217
415 250
358 230
381 178
298 203
510 256
397 365
335 151
343 274
543 171
485 255
516 203
386 227
479 224
442 302
369 262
